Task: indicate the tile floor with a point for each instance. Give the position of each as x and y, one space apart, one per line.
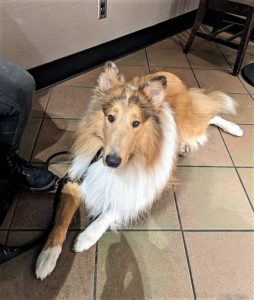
198 242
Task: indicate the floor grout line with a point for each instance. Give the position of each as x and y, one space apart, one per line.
139 230
218 230
221 167
185 248
95 272
179 166
13 215
239 177
192 70
236 75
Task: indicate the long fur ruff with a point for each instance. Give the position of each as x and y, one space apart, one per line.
141 126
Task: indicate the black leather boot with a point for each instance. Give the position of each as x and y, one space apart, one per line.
30 177
14 172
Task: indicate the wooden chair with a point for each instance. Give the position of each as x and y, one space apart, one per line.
243 8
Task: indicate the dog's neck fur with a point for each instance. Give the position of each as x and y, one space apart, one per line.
129 191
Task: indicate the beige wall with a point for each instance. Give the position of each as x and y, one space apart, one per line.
39 31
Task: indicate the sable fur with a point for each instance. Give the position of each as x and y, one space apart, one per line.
170 118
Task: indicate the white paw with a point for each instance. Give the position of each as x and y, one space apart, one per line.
84 241
237 130
46 262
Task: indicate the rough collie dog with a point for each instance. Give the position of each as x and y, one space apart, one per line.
140 125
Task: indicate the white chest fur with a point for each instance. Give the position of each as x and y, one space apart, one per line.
127 192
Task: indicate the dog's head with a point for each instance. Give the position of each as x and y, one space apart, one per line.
131 115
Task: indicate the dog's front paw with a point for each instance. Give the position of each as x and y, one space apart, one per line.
46 262
84 241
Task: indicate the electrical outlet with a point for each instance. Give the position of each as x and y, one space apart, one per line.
102 9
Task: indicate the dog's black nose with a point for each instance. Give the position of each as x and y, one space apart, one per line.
113 160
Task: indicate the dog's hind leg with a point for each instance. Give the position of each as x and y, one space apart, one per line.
227 126
183 149
93 232
70 201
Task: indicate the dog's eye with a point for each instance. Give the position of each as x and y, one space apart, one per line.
111 118
135 124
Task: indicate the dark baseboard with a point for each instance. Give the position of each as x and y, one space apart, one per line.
64 68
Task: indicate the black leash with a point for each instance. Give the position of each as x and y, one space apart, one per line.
14 251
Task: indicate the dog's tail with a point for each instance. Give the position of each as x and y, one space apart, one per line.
213 104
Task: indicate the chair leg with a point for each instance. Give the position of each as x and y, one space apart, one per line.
198 21
244 42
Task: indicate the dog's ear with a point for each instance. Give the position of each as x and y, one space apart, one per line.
155 89
110 77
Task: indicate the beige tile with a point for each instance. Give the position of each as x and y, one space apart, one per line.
172 42
132 71
33 211
29 137
213 153
71 279
222 264
219 80
8 218
3 236
137 58
68 102
183 36
245 109
40 103
162 216
249 87
241 148
230 54
206 55
207 59
247 176
88 79
60 169
142 265
160 57
199 43
212 198
55 135
186 75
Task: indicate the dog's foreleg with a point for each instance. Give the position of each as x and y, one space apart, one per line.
91 235
227 126
70 201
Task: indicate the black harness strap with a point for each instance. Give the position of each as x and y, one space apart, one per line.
97 157
17 250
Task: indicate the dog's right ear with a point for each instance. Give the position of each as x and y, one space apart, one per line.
110 77
155 89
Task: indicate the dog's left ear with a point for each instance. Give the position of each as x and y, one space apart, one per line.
155 89
110 78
